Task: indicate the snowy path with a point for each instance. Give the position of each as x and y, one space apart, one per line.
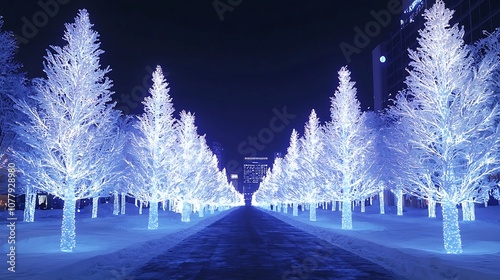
250 244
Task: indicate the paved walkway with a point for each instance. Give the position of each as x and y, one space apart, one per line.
250 244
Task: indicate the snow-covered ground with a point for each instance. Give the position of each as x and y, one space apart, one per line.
411 245
108 247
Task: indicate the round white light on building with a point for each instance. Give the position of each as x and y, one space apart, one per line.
382 59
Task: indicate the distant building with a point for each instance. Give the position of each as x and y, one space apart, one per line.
254 170
219 153
390 57
233 178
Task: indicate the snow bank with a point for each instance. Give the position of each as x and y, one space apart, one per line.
108 247
411 245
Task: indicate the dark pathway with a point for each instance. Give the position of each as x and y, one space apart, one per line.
250 244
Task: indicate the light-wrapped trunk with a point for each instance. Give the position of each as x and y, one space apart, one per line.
285 208
30 204
334 205
468 213
399 200
312 211
451 230
381 201
122 211
346 214
186 212
68 227
295 211
363 208
153 215
116 203
431 208
95 204
201 211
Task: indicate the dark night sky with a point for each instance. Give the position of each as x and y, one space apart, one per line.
231 73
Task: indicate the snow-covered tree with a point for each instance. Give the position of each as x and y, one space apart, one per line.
349 147
194 156
290 173
12 85
154 145
271 189
450 120
312 148
114 167
71 123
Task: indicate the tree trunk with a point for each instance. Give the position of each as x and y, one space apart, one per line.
346 214
153 215
285 208
30 204
381 201
295 211
122 211
468 213
334 205
186 212
399 199
312 211
212 209
363 206
451 229
140 208
201 211
95 203
431 208
116 203
68 228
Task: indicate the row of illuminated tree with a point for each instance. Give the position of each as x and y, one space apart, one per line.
67 139
439 141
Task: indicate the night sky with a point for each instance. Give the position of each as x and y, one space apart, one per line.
234 73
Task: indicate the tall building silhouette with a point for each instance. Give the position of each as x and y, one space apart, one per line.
254 170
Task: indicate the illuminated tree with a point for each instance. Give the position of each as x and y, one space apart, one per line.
114 167
72 122
450 120
153 148
309 171
349 147
12 85
290 173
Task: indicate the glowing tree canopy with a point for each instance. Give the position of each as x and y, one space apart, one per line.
312 148
154 145
72 123
12 84
349 147
450 120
